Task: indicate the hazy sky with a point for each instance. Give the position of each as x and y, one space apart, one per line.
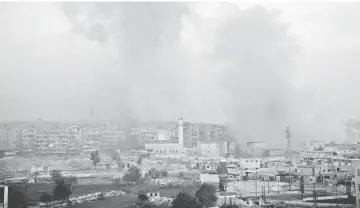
259 68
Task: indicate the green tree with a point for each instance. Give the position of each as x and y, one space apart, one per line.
25 183
348 188
154 174
223 183
133 175
95 157
185 200
64 188
206 194
55 175
164 173
266 153
139 161
302 187
181 175
221 168
35 176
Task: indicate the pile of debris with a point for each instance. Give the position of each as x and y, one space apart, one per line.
81 199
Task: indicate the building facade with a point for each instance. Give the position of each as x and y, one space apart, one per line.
356 165
168 145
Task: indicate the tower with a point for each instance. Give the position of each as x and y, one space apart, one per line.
288 141
180 124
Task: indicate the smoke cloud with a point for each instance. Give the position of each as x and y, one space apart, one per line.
213 62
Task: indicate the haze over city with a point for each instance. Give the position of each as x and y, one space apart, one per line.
258 68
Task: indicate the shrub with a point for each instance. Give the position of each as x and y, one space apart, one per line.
45 197
143 197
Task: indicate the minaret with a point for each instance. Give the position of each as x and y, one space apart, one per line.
181 130
288 141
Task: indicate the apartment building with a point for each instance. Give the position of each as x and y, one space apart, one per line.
191 135
356 165
90 140
7 137
109 139
208 149
227 148
25 139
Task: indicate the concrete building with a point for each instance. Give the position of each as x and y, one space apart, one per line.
356 165
7 137
227 148
250 163
208 149
109 139
90 139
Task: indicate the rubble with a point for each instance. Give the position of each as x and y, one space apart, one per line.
80 199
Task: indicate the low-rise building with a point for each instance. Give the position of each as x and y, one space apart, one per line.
250 163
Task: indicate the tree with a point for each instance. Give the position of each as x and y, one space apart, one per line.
154 174
55 175
221 168
320 148
133 175
139 161
223 183
185 200
302 187
206 195
143 198
181 175
25 183
334 153
64 188
348 188
164 173
115 156
266 153
95 158
35 176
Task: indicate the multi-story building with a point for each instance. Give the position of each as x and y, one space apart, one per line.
90 139
356 165
61 142
208 149
226 148
110 139
25 139
7 138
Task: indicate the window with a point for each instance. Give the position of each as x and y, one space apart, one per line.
359 187
358 172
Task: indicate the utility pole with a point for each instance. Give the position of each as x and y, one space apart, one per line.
315 197
256 182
